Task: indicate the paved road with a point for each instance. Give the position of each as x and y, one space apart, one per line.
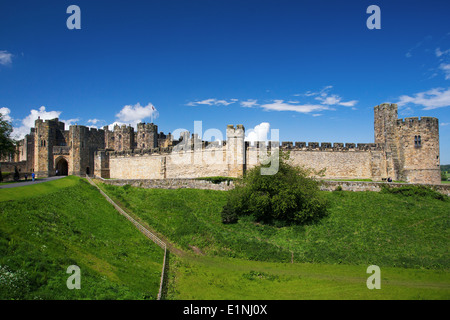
29 182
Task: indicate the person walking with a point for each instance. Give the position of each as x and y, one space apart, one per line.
33 176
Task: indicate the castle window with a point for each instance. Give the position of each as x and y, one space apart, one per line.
417 141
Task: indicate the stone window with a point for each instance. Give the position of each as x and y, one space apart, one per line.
417 141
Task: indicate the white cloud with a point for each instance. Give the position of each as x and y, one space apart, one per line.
211 102
249 103
322 92
431 99
445 123
325 98
136 114
28 121
446 68
280 105
94 121
258 133
5 58
440 53
349 103
331 100
5 113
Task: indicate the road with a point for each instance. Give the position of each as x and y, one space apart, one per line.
29 182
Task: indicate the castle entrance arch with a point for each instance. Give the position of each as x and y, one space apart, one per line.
62 166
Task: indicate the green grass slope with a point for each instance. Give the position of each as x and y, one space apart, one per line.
362 228
406 236
46 228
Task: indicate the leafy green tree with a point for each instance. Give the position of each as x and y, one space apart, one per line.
290 196
444 176
7 144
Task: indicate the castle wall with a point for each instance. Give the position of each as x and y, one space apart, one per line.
337 164
175 165
406 150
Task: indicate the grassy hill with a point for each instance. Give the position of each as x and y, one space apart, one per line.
47 227
361 228
407 236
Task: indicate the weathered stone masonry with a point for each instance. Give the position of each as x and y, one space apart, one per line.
403 149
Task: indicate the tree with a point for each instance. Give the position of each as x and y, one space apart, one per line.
7 144
290 196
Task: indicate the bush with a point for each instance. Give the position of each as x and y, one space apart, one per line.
288 197
414 191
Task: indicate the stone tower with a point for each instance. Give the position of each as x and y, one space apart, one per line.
411 145
418 141
235 148
123 138
385 120
109 138
48 134
147 136
79 160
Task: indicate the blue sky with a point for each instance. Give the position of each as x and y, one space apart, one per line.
311 69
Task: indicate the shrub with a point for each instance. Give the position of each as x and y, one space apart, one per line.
414 191
288 197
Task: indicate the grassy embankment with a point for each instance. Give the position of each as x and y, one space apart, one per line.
406 236
47 227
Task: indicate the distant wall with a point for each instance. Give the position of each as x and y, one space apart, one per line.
376 186
225 186
171 184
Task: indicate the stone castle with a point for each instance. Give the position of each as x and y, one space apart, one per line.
403 150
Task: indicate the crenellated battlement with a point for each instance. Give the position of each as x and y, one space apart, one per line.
146 126
418 122
182 147
328 146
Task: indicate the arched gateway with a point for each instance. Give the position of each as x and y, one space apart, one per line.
62 166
